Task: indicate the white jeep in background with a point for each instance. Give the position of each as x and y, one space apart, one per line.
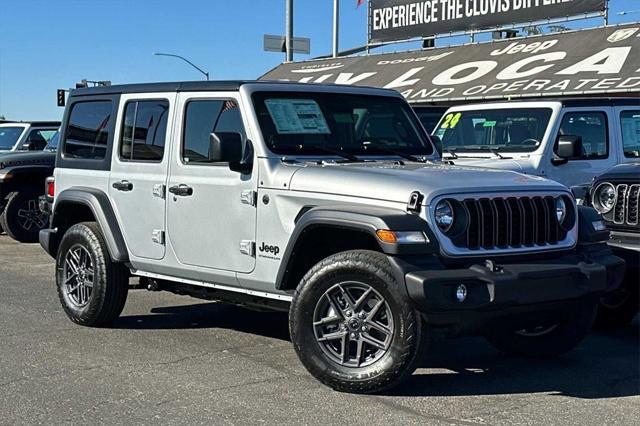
570 141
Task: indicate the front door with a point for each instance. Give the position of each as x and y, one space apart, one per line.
596 128
211 217
139 172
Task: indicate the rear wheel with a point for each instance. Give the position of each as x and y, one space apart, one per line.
352 325
91 288
22 219
548 339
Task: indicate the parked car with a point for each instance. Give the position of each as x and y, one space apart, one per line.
22 177
26 135
325 201
570 141
616 195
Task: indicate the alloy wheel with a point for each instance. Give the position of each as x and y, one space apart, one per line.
78 273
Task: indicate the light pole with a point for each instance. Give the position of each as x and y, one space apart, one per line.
288 39
206 74
336 27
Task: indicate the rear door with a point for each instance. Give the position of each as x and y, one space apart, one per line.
597 128
137 183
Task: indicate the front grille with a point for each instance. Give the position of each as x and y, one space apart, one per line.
625 209
511 222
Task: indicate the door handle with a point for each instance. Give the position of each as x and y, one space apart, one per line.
123 185
181 190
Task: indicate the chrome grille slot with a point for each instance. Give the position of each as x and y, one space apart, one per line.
633 204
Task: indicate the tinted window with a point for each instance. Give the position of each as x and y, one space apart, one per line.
509 130
52 145
322 123
88 130
592 127
203 118
144 130
9 136
631 133
429 119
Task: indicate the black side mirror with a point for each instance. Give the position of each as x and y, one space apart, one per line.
437 143
227 147
36 145
581 194
568 147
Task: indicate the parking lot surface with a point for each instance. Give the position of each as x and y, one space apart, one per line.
178 360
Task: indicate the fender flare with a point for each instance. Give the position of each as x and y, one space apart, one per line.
360 218
98 202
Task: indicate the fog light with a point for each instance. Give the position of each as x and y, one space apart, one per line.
461 293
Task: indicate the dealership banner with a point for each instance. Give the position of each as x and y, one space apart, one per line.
391 20
595 61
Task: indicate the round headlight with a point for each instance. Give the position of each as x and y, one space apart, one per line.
444 215
604 198
561 209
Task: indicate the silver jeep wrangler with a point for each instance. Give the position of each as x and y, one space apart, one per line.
328 202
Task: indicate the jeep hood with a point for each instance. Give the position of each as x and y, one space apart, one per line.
515 164
393 182
26 158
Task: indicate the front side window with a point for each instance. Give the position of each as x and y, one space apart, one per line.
508 130
87 132
203 118
38 139
144 130
9 137
630 121
321 123
592 128
53 143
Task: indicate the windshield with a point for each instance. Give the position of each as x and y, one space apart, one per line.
508 130
52 145
321 123
9 136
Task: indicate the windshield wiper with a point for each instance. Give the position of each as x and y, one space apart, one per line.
392 151
451 152
337 152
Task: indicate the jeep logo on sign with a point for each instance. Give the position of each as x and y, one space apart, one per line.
270 251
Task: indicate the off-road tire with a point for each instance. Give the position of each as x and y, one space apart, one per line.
110 282
620 314
572 328
10 222
407 342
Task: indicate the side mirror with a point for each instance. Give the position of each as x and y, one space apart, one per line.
581 194
227 147
35 146
437 143
568 147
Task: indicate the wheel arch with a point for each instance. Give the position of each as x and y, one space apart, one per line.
80 204
324 231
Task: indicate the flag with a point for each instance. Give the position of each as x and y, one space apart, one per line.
359 3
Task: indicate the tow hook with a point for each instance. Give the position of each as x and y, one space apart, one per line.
492 267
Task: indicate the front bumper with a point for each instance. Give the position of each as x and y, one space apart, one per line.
501 289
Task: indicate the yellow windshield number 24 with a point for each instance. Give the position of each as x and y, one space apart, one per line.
451 121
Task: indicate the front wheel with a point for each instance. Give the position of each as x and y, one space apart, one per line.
549 339
352 325
620 307
91 288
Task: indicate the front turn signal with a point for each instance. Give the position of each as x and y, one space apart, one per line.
401 237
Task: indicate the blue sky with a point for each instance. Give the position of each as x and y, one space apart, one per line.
51 44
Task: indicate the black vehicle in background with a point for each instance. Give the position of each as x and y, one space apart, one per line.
22 178
616 196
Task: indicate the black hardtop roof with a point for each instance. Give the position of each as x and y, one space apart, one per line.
194 86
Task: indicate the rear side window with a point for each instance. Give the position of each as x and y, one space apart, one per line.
87 132
144 130
630 121
203 118
592 128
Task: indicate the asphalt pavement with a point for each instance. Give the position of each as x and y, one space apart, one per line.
177 360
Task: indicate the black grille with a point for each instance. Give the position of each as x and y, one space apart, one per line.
511 222
625 210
